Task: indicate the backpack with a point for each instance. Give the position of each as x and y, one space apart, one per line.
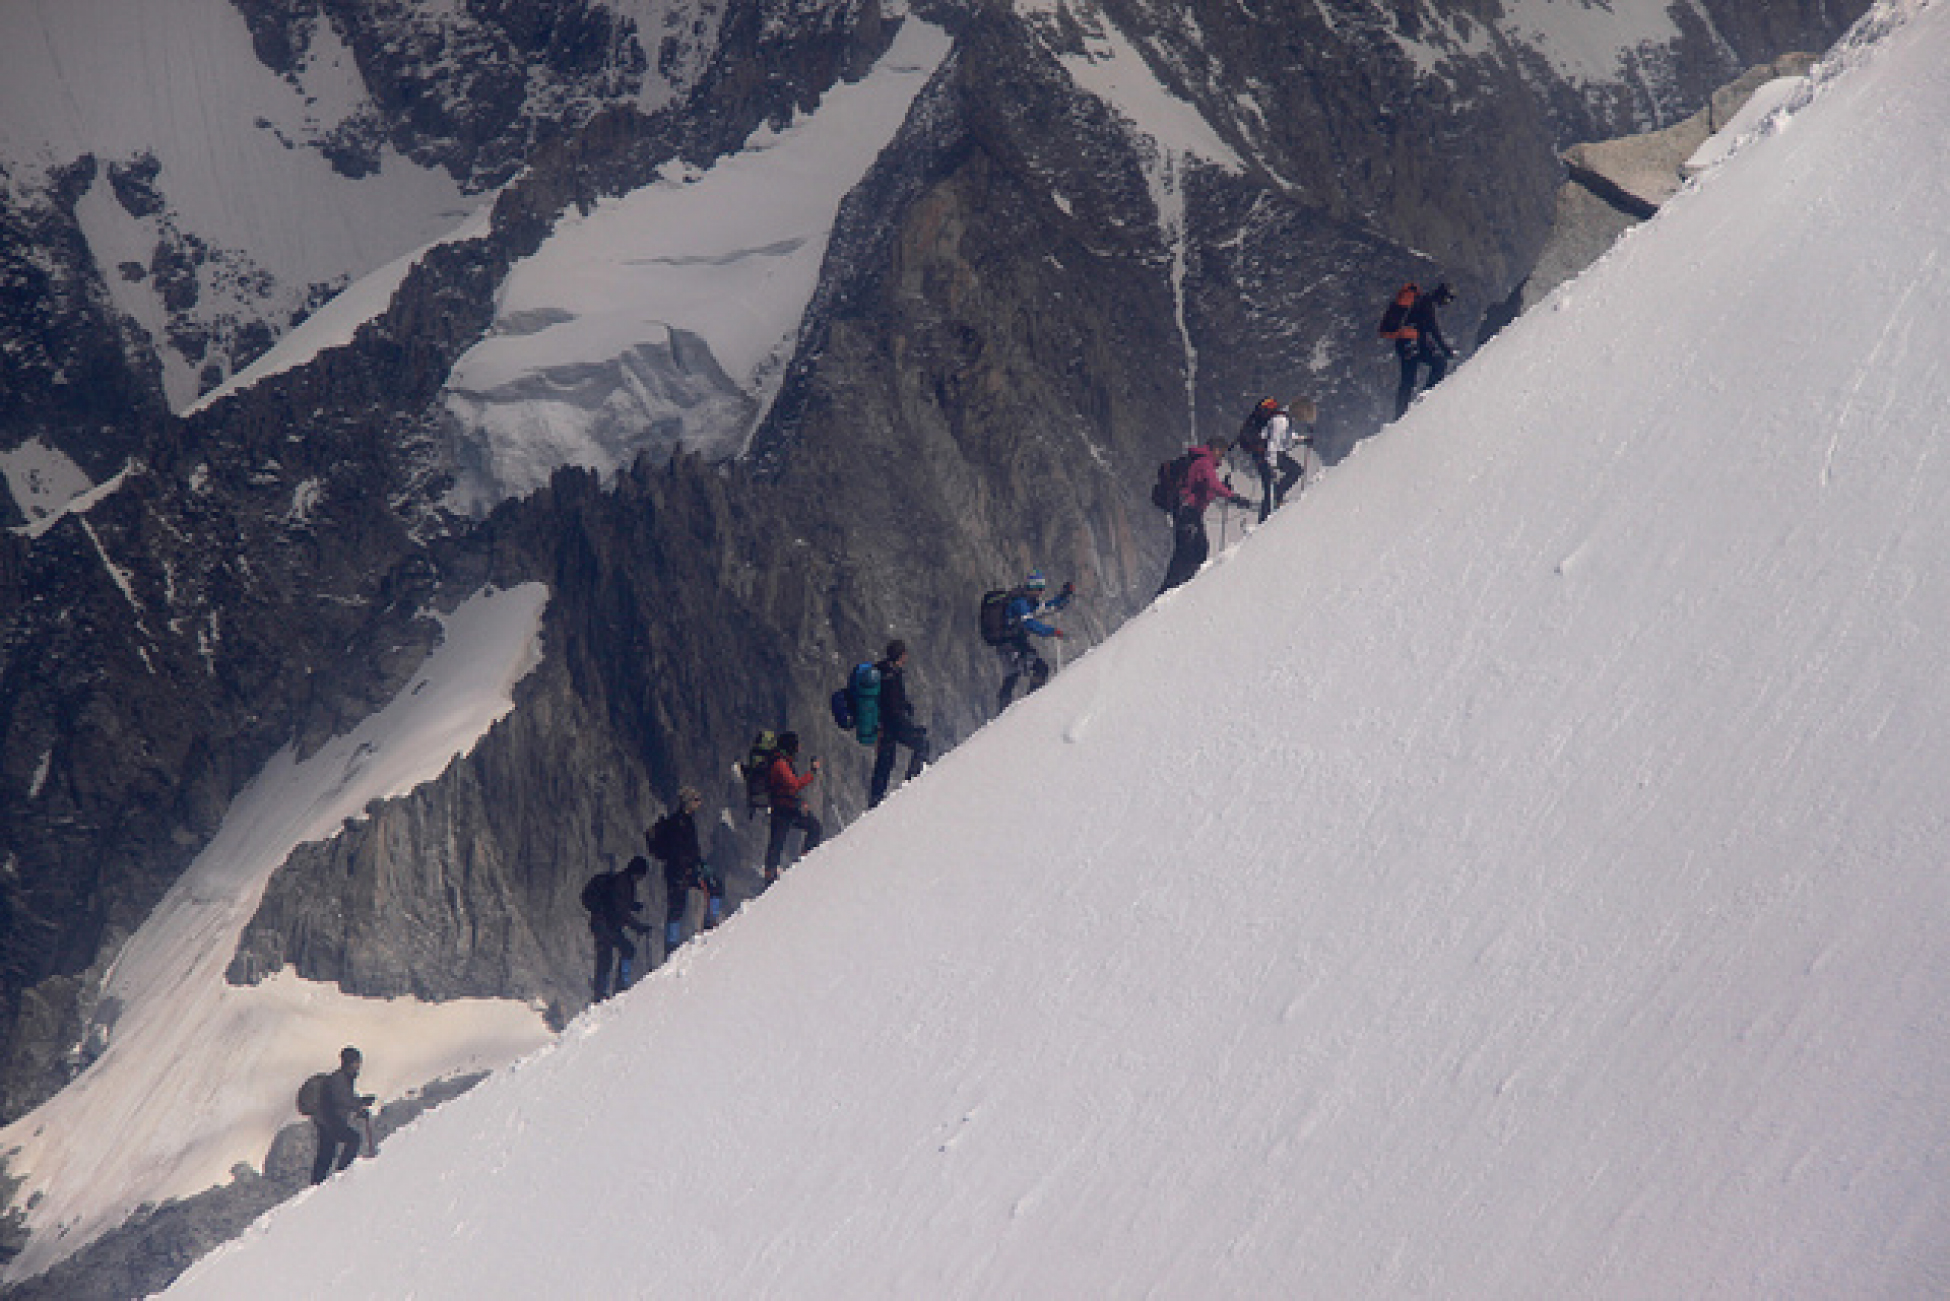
592 892
1168 493
995 616
1396 315
1252 434
841 703
864 687
754 767
311 1095
658 839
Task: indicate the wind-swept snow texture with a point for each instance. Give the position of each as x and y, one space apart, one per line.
1515 872
663 320
198 1075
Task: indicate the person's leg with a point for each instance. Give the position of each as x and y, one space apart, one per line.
348 1147
1405 392
605 955
1038 674
1188 546
1267 490
916 740
1291 472
1438 364
626 963
883 765
322 1163
814 832
775 843
1012 673
677 902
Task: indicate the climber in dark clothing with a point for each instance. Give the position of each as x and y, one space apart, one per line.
673 840
897 725
611 900
1411 323
338 1142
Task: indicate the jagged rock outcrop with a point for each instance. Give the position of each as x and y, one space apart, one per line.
1615 184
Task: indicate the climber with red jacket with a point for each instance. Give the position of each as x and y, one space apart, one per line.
1198 488
789 812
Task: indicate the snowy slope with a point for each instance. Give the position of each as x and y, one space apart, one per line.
197 1074
1514 872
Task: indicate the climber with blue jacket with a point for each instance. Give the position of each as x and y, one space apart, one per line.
1019 656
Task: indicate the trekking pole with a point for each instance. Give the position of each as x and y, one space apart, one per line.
372 1148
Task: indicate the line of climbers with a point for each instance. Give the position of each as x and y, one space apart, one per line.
874 706
1188 484
873 703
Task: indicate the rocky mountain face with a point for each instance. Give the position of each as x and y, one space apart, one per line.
1028 302
1615 184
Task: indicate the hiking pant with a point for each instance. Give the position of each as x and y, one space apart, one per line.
613 948
783 823
338 1145
678 884
1276 479
1189 546
892 736
1020 659
1414 354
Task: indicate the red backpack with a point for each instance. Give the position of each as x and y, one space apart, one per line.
1394 321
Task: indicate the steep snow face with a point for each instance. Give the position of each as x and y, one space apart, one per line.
1516 871
663 320
195 1075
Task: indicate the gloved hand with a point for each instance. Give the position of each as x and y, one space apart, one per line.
1069 589
1057 632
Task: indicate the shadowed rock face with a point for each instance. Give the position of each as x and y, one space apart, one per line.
1005 341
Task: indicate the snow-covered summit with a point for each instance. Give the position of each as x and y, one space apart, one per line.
1514 872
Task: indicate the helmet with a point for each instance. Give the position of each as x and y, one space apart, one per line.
1035 582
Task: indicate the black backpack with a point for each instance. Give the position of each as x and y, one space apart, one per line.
995 616
593 890
1252 434
754 767
311 1095
1168 493
657 839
